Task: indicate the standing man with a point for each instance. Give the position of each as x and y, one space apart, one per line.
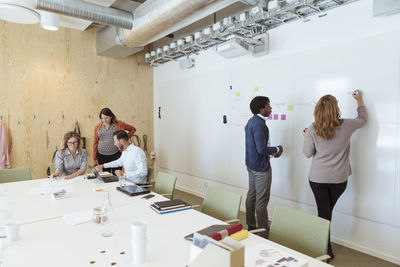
258 152
133 159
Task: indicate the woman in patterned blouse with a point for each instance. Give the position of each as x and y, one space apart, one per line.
104 149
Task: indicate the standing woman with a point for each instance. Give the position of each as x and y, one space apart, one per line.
104 149
71 160
328 142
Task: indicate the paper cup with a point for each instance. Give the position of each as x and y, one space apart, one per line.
139 242
12 231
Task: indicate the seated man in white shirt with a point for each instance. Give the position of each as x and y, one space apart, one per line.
133 159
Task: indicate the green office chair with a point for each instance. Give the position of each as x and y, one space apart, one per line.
15 175
221 204
300 231
165 184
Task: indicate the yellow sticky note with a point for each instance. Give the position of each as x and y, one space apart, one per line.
289 107
237 94
100 189
255 89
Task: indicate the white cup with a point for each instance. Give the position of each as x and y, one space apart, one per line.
138 232
12 231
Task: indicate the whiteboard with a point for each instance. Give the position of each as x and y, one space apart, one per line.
194 140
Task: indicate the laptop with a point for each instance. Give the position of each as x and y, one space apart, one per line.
133 190
104 178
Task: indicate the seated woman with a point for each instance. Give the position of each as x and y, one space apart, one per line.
71 160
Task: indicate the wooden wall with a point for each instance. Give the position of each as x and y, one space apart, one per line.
57 78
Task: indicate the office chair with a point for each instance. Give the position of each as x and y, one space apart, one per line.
300 231
15 175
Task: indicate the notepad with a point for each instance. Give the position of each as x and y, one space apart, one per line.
170 204
170 210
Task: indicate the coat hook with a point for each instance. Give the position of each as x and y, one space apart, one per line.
34 115
89 115
63 115
49 121
18 121
1 115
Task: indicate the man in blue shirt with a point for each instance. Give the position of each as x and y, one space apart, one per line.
258 152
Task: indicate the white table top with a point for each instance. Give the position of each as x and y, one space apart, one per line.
51 242
34 207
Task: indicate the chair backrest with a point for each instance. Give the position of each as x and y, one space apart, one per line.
221 204
300 231
52 167
15 174
149 173
165 184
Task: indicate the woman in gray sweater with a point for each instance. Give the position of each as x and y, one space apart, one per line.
328 141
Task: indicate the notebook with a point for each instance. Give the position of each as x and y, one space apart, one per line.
170 204
187 207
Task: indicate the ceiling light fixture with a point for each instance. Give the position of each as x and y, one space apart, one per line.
49 21
18 11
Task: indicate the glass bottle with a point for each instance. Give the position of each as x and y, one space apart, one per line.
106 219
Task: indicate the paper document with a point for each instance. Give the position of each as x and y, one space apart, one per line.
78 218
39 190
264 255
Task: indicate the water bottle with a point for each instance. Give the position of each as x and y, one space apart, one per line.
106 217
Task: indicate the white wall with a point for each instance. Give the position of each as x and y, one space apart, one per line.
345 50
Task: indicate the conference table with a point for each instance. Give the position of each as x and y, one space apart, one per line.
47 240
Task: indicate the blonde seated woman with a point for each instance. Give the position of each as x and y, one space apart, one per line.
71 161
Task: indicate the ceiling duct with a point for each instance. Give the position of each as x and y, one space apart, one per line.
87 11
155 19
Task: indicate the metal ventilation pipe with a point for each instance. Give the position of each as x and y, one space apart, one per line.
155 19
87 11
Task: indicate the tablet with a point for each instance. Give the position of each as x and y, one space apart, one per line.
133 190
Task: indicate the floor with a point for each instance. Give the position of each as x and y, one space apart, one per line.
344 256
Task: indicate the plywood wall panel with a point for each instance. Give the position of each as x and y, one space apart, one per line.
59 77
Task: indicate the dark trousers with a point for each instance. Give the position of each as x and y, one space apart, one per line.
108 158
326 196
257 200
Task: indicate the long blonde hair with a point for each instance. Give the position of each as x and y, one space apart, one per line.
327 117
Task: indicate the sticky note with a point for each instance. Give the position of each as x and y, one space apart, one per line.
237 94
276 116
100 189
270 117
283 117
255 89
289 107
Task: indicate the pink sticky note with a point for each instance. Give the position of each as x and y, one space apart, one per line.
270 117
283 117
276 116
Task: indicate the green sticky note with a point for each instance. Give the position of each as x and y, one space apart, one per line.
289 107
237 94
255 89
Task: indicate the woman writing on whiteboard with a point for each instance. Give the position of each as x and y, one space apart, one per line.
327 141
104 150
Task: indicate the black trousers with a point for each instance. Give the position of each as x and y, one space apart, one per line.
108 158
326 196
